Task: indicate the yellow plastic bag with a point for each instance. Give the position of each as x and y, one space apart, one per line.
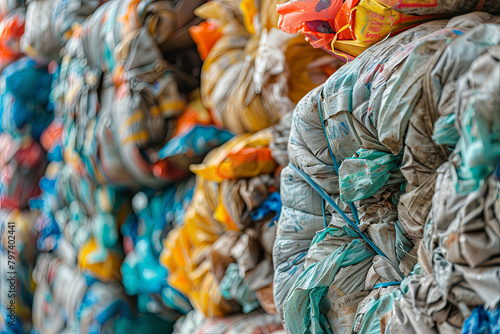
106 271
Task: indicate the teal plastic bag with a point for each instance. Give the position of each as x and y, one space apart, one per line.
445 132
232 286
306 307
364 174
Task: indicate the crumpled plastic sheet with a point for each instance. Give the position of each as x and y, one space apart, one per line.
369 103
25 107
256 322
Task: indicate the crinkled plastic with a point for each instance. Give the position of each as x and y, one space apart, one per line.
255 322
387 100
143 233
362 175
482 321
17 256
205 35
140 101
25 107
195 142
352 26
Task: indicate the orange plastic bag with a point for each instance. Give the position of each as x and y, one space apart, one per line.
11 30
205 35
243 156
345 29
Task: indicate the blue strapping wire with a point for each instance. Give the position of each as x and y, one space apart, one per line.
386 284
330 201
335 162
324 212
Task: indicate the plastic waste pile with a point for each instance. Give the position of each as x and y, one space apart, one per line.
391 187
25 111
249 166
221 257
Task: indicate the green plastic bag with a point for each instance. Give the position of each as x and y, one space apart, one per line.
365 173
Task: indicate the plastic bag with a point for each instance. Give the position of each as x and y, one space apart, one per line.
11 30
351 26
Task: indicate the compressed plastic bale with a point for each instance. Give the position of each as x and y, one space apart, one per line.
253 72
221 201
423 299
137 80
